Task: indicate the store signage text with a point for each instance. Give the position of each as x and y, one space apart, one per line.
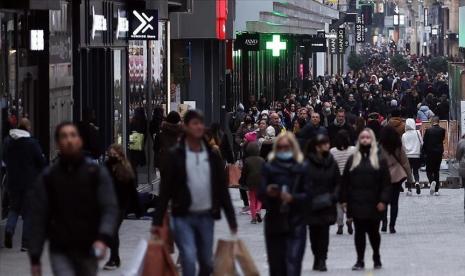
37 40
143 25
276 45
332 41
341 35
248 42
359 30
99 23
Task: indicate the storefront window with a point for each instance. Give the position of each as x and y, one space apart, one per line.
118 98
147 91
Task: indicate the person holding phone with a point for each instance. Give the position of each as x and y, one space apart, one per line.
285 195
366 189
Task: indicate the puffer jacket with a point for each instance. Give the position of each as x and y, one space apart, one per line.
412 140
253 163
323 173
424 113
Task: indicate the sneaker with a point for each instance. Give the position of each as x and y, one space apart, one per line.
392 230
245 210
432 188
359 265
436 194
253 221
350 229
340 230
418 188
112 265
23 249
8 240
402 189
259 218
377 263
409 193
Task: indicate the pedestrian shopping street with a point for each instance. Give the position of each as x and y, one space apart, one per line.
429 241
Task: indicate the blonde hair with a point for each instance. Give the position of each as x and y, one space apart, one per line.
373 156
298 155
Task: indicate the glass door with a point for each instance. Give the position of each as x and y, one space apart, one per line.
119 96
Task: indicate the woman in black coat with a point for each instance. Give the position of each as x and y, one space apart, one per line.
124 182
324 176
366 189
285 194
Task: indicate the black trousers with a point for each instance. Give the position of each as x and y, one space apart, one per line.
114 245
319 241
433 164
362 228
415 164
244 197
393 205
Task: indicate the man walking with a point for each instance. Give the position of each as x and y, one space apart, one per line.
24 161
434 148
311 130
339 124
74 207
195 184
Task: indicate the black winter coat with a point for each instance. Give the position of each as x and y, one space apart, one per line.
333 129
24 162
73 205
433 141
174 189
364 187
164 141
324 176
284 174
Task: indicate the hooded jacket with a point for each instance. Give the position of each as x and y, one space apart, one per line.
424 113
253 163
412 140
24 161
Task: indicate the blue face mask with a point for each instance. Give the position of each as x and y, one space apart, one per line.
284 155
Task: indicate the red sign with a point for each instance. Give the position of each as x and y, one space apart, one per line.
221 17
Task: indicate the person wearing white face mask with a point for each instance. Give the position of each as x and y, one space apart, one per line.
285 193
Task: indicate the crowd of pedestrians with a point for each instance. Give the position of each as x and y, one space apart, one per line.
338 153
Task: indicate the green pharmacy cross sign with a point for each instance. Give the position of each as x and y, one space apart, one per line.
276 45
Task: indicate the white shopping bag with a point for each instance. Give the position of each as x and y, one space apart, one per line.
137 263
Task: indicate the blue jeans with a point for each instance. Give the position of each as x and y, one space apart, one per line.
11 222
193 235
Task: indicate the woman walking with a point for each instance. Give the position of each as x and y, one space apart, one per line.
251 176
399 170
124 182
341 153
324 176
365 193
285 194
412 143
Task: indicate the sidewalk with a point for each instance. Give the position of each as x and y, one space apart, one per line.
430 241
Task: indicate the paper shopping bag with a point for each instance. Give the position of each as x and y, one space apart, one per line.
224 259
158 261
245 260
234 173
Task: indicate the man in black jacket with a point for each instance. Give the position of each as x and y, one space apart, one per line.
340 123
74 207
433 148
311 130
24 161
195 183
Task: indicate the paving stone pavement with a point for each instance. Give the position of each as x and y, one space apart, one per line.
430 241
